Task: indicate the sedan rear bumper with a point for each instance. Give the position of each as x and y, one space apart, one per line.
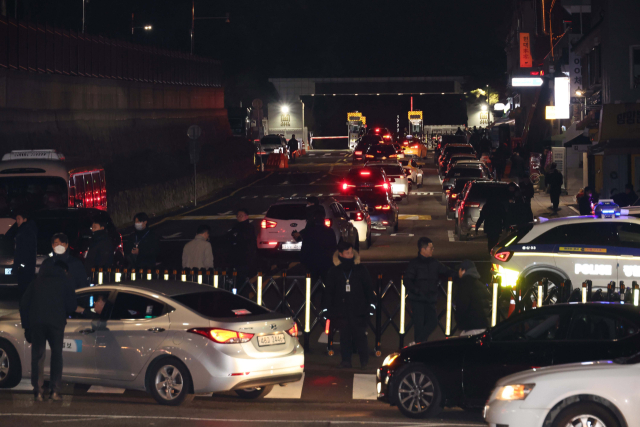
260 382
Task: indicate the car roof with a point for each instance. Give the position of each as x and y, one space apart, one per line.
162 287
67 213
467 166
302 200
542 227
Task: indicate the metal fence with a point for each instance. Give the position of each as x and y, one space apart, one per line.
41 48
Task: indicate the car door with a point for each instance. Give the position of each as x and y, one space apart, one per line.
629 250
597 335
79 350
524 343
136 328
588 250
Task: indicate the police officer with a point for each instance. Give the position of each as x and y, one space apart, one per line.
318 246
60 245
25 234
554 181
100 253
293 147
494 217
349 299
422 279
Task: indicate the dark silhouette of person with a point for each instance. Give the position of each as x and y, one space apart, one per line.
494 217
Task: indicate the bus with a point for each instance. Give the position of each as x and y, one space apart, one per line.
32 180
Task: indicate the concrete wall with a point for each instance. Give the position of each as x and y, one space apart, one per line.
137 131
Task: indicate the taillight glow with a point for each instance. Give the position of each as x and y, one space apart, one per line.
327 222
454 195
473 205
222 336
345 186
272 243
268 224
359 216
503 256
365 173
369 156
327 328
385 185
294 330
358 153
377 129
383 207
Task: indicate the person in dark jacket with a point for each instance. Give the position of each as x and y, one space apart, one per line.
484 146
242 246
43 310
472 300
142 246
517 213
349 299
517 166
499 161
25 233
318 246
554 181
584 202
494 217
422 279
293 147
60 245
459 131
312 208
100 253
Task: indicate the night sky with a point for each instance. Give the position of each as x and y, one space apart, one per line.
309 38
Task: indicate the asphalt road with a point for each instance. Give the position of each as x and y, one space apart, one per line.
318 173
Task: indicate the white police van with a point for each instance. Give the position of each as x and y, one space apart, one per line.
600 249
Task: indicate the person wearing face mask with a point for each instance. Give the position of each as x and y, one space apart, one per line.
142 246
25 234
60 244
348 300
197 253
100 253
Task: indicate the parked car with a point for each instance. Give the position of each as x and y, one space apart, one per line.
288 215
463 171
449 151
359 217
274 144
470 203
75 223
171 341
422 379
595 393
397 178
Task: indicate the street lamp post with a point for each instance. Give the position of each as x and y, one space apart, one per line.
193 20
143 27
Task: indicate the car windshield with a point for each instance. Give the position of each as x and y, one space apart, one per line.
515 237
464 173
219 304
271 140
381 150
460 183
482 192
453 150
370 139
349 206
288 211
32 193
365 175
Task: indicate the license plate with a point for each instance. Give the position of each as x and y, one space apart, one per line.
291 246
266 340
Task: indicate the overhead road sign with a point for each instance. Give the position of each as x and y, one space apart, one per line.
526 82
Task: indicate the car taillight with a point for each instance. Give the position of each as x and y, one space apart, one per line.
383 207
357 153
369 156
473 205
391 180
365 173
222 336
453 195
416 146
406 143
503 256
327 222
359 216
294 330
393 156
268 224
446 180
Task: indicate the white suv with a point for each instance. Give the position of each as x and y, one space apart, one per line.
289 215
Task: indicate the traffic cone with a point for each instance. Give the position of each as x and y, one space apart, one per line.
512 306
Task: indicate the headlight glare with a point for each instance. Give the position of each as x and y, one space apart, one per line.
390 358
514 392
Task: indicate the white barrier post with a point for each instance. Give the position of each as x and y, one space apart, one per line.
447 331
259 289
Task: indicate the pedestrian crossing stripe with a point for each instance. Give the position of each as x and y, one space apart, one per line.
425 193
364 387
408 217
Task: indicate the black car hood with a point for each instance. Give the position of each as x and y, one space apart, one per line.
450 344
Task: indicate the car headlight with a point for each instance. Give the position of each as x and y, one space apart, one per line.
390 358
514 392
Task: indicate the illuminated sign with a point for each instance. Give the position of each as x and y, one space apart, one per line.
562 92
415 115
526 61
499 106
363 119
550 112
631 270
596 250
285 120
484 117
526 81
354 117
593 269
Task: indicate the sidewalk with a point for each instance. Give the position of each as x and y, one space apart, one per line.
541 206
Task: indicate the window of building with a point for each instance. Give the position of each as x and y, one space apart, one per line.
635 66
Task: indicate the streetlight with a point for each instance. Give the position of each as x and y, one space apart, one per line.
284 109
144 27
483 107
193 20
579 92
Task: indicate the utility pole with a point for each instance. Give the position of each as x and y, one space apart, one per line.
83 1
193 20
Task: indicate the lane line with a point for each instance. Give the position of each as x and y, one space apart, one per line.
452 237
364 387
574 209
291 391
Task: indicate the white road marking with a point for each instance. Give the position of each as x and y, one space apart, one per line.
71 420
101 389
376 234
401 235
226 213
574 209
290 391
285 183
452 237
294 194
424 193
364 387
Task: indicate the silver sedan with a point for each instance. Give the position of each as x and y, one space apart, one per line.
169 339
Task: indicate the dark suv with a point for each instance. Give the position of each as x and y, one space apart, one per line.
363 145
362 181
75 223
462 171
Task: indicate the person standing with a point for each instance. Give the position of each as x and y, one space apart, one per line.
517 166
318 247
60 245
584 202
554 181
43 310
349 299
472 300
422 279
494 217
198 253
243 246
100 253
25 233
142 248
293 148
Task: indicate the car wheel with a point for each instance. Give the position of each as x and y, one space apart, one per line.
552 289
254 392
10 367
585 414
417 392
169 381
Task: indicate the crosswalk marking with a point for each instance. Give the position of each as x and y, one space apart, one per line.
452 237
364 387
108 390
290 391
425 193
